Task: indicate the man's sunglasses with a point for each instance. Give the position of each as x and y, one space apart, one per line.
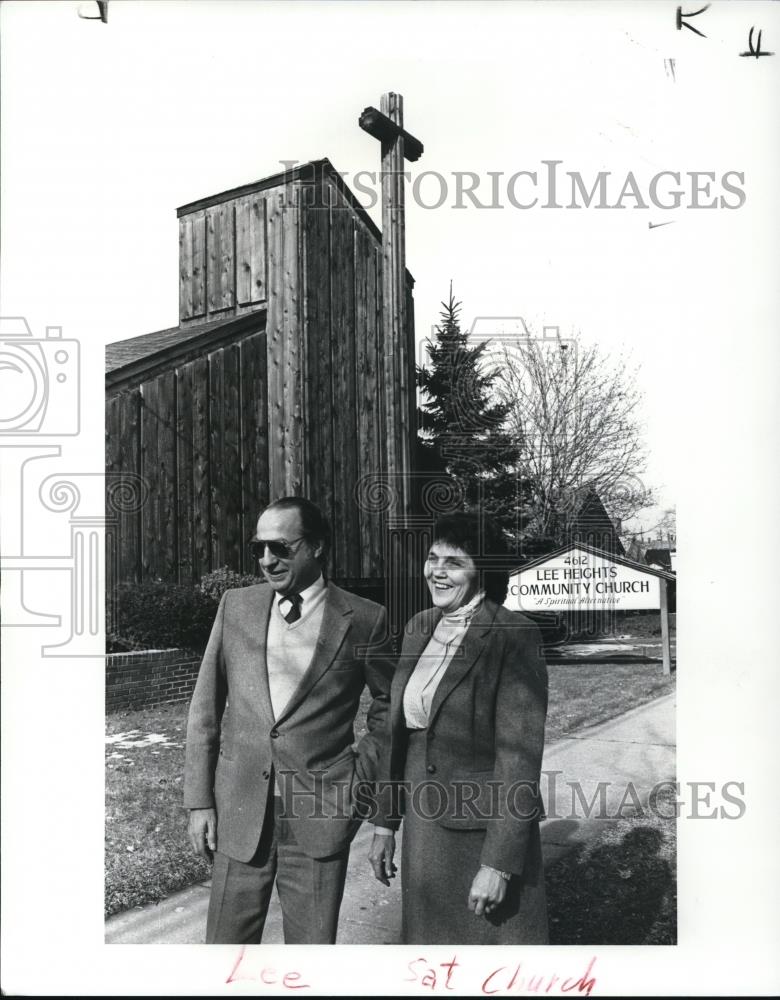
278 547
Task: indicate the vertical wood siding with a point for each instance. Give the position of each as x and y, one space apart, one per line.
306 407
223 260
254 436
346 425
197 436
287 459
123 462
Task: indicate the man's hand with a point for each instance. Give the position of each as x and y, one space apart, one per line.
381 857
202 832
487 891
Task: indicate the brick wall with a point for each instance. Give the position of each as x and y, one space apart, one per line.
147 678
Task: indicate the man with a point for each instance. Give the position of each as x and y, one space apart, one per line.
270 771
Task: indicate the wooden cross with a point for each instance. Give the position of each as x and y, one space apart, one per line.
397 145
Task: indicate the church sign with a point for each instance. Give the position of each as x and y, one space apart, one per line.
580 577
577 578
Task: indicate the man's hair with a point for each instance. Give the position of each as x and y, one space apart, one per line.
314 524
484 541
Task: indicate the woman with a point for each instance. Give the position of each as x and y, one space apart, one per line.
467 713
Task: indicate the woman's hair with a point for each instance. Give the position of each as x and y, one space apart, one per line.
484 541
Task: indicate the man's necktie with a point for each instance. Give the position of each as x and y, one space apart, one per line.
293 613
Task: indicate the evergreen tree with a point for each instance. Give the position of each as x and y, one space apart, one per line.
461 427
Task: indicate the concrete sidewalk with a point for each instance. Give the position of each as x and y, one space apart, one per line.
370 913
614 765
626 649
637 748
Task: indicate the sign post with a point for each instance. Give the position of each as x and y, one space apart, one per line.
665 644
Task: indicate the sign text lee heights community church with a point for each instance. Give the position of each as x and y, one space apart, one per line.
579 577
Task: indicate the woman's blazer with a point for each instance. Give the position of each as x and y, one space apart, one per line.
485 733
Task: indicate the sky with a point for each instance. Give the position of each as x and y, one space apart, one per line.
108 128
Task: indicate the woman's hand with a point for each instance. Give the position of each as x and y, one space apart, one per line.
487 891
381 857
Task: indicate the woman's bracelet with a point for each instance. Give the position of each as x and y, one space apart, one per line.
506 876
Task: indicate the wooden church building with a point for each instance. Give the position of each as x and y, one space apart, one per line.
276 380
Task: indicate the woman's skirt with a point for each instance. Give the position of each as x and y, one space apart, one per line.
438 866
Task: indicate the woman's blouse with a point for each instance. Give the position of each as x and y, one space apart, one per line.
434 660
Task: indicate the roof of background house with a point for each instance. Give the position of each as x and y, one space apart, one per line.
584 498
659 557
128 361
123 352
587 512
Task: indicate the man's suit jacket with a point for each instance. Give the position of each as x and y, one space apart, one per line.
485 732
235 745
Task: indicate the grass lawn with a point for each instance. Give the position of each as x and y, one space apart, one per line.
147 852
620 888
584 694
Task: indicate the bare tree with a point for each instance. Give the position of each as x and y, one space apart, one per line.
667 526
574 415
663 530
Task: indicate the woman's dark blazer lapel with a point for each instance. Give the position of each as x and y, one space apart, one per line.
415 640
468 653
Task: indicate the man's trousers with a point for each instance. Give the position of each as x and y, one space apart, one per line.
310 889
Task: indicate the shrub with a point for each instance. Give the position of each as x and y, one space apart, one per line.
115 644
157 615
215 584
